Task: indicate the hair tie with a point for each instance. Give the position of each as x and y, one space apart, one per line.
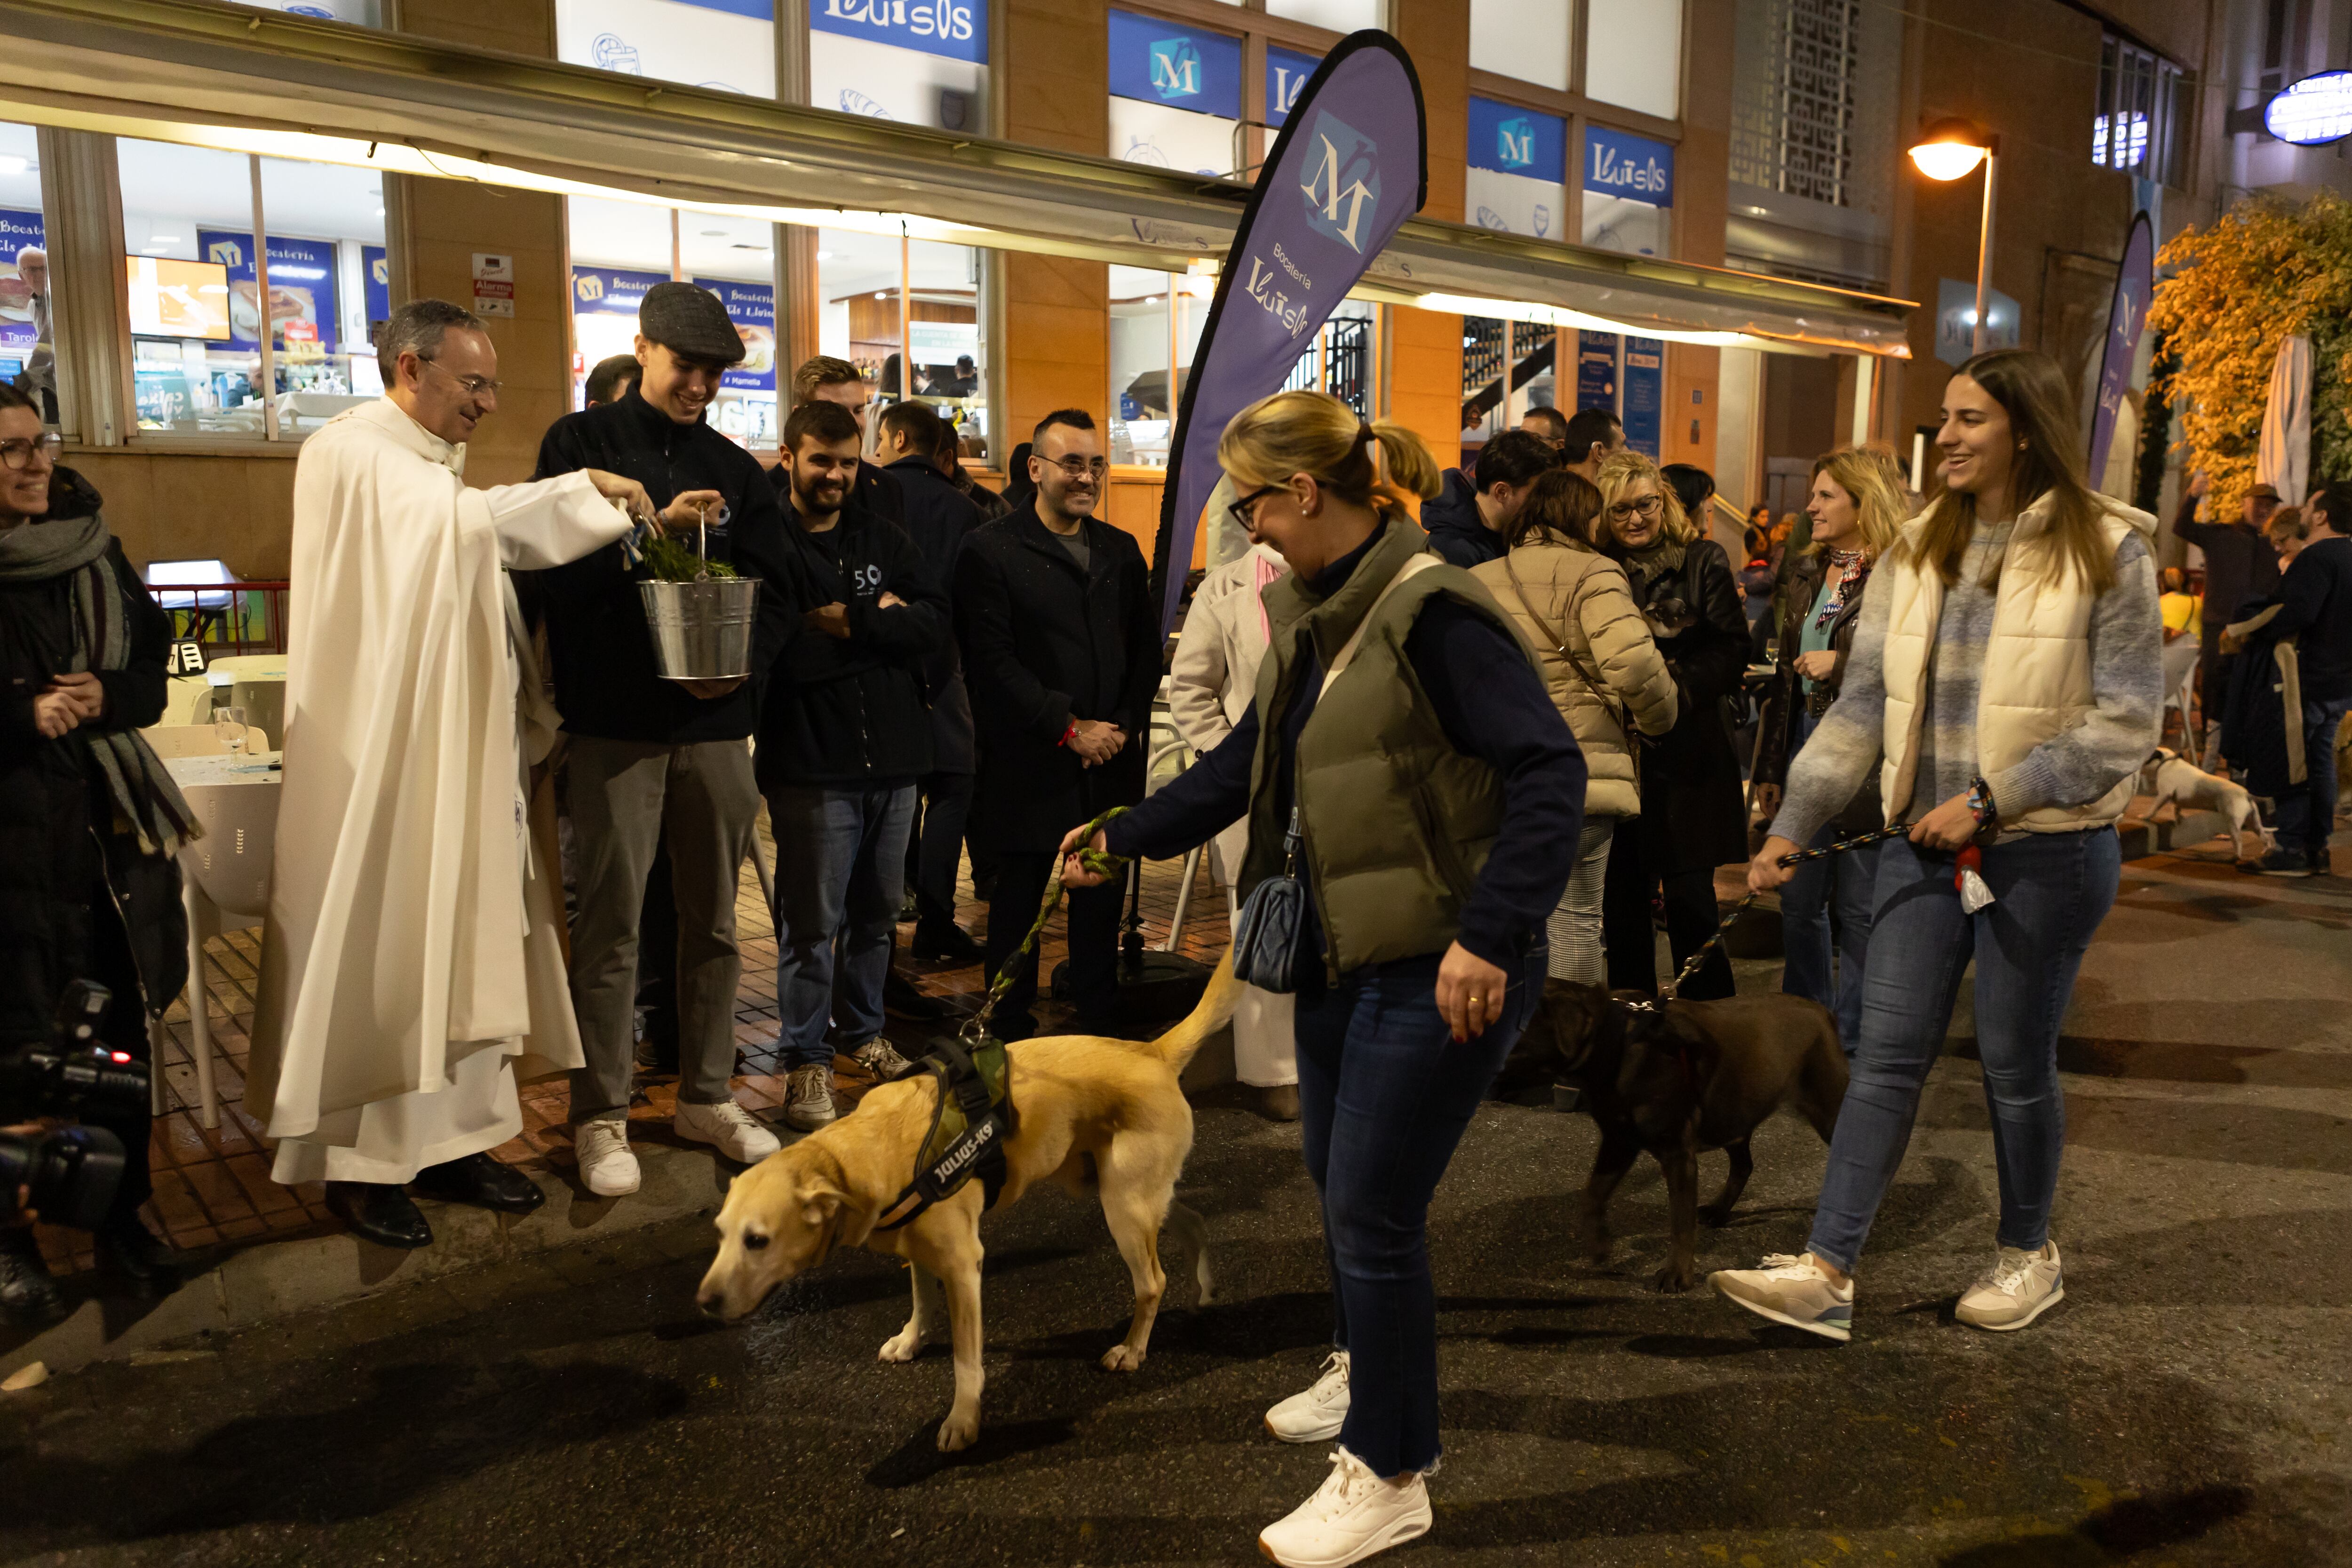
1369 440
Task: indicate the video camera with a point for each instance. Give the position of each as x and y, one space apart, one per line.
69 1175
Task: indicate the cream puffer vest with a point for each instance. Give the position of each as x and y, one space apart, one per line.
1609 674
2037 665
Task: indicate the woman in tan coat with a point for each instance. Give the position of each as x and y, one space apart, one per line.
1604 673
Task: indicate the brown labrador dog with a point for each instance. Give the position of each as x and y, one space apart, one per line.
1687 1077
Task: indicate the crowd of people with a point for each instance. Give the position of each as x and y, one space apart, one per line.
1484 717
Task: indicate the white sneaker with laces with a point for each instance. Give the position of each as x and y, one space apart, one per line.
727 1128
878 1057
1352 1515
1317 1414
2019 1288
606 1165
808 1097
1791 1288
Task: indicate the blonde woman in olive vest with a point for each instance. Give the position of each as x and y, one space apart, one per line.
1605 675
1439 797
2006 682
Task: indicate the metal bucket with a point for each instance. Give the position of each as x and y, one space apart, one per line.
701 630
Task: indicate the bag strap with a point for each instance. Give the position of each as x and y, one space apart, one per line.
1347 654
1590 674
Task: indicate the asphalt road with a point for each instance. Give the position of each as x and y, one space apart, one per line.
2187 1405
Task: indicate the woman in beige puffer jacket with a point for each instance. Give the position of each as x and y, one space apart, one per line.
1605 674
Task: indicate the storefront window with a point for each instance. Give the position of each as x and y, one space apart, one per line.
1628 186
1176 94
619 249
925 64
726 45
197 289
1518 163
1287 73
1633 55
1341 362
883 303
1340 15
27 346
1153 316
360 13
1526 41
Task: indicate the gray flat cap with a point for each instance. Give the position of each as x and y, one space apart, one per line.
690 321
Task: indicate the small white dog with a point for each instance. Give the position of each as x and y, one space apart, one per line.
2174 780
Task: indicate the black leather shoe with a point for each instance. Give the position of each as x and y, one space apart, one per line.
901 1000
946 942
482 1182
379 1212
29 1296
136 1258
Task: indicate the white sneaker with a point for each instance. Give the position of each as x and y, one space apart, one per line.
808 1097
1316 1414
606 1165
728 1128
2019 1288
1790 1288
1352 1515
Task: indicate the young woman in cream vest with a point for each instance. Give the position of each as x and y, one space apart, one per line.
2006 681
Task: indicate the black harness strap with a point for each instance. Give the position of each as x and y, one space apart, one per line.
977 1150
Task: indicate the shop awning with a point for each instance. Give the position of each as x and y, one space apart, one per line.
261 81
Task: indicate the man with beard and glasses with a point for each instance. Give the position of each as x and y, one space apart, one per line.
844 735
654 759
1061 653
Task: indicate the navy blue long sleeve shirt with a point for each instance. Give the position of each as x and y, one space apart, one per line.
1491 704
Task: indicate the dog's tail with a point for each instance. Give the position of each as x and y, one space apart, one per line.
1215 1007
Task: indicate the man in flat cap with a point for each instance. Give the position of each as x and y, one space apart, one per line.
655 760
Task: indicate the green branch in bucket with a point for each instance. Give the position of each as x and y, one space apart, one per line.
671 561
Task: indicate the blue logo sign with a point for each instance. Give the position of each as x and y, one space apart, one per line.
2311 112
302 303
1286 79
1507 140
1198 71
1342 183
1175 68
1619 163
953 29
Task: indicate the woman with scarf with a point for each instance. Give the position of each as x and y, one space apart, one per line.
1692 819
89 822
1855 509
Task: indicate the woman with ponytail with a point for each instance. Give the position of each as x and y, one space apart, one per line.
1436 795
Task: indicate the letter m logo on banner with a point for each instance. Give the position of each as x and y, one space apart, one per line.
1175 68
1515 142
1343 180
228 253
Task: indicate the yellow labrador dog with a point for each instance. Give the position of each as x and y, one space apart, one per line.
1102 1118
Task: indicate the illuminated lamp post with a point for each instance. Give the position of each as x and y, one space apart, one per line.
1946 151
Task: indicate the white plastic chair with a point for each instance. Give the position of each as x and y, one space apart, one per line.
184 740
225 884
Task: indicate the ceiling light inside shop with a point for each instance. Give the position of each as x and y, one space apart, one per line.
1561 316
825 255
14 165
714 234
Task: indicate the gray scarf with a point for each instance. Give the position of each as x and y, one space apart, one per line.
146 800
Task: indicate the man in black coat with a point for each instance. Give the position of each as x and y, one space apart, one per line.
2240 565
825 379
1472 514
938 518
1061 652
844 735
652 761
2314 599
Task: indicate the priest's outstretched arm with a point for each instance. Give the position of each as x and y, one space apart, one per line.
549 522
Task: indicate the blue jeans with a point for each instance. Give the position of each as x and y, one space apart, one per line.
1384 1095
2306 812
1849 881
841 868
2050 891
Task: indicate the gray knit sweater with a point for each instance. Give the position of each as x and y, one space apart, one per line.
2073 768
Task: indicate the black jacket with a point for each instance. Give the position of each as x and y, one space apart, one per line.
606 683
938 518
2239 564
1044 644
849 713
1786 701
1692 812
63 868
1455 529
2314 597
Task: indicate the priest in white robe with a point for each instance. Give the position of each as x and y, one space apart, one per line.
412 961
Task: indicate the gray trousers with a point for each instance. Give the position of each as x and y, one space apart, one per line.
625 795
1578 953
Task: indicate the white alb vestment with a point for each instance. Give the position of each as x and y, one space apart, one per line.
413 950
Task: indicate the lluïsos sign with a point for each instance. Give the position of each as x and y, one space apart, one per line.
2311 112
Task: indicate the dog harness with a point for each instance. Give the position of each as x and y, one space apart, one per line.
970 1122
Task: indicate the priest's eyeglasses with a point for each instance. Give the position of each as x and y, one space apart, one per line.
18 454
472 385
1647 507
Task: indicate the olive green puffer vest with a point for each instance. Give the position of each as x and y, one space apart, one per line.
1395 822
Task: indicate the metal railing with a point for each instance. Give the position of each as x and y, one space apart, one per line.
226 618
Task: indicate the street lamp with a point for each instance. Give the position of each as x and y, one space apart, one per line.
1947 150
